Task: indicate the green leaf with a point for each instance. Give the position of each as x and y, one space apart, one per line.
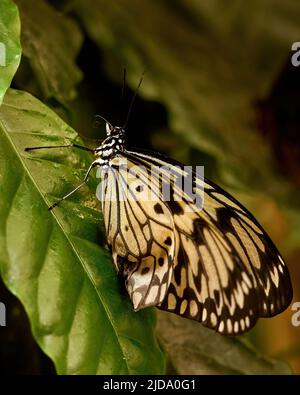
53 262
51 41
10 48
212 353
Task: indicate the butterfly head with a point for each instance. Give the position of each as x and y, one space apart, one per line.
114 142
115 131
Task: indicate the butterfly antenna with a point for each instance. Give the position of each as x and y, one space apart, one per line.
132 101
124 84
104 119
122 92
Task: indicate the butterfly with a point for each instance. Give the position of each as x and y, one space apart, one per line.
214 264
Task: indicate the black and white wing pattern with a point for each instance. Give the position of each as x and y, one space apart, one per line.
215 265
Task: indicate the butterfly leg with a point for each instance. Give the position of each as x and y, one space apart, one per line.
85 180
72 145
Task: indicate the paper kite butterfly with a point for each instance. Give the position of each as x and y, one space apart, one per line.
215 265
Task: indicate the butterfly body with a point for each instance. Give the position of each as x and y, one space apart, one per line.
213 264
114 143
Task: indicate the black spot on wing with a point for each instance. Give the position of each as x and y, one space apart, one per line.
183 261
158 209
173 204
145 270
160 261
224 216
217 297
198 225
168 241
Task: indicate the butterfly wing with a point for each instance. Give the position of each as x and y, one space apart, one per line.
215 265
142 245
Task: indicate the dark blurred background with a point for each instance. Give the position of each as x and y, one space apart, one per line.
219 90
